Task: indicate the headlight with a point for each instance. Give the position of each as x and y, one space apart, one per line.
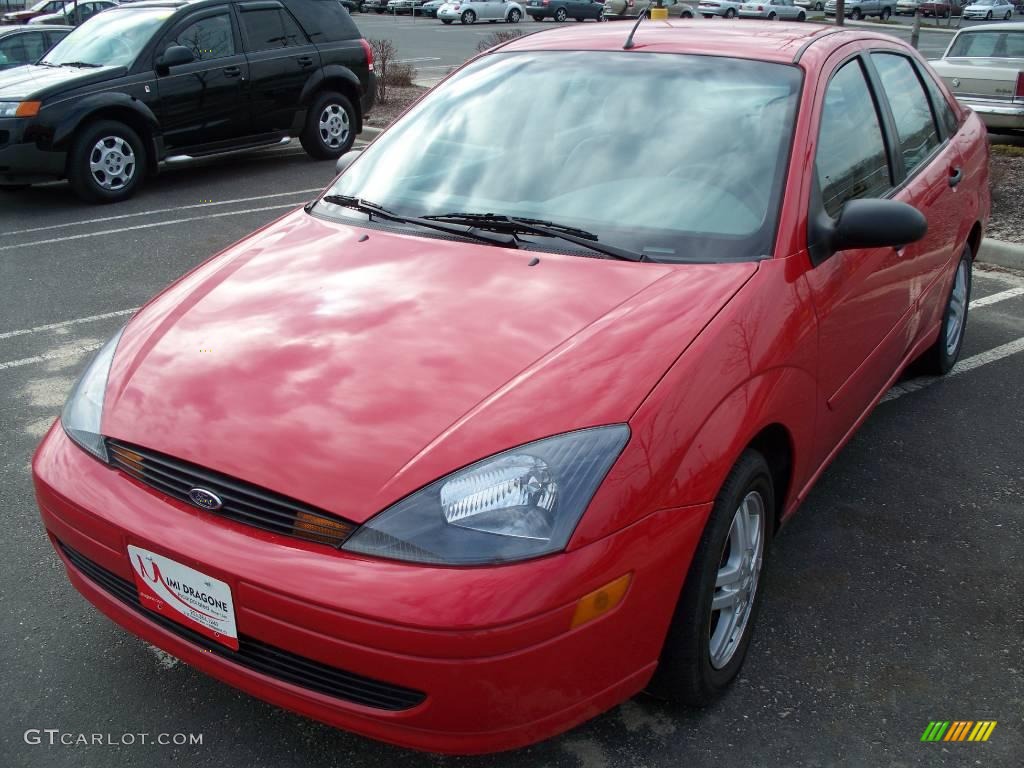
19 108
518 504
84 408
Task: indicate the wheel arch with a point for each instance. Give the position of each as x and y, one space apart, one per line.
340 79
775 443
974 240
120 108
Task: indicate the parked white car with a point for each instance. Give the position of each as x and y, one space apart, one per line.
811 5
727 8
773 10
989 9
984 68
471 11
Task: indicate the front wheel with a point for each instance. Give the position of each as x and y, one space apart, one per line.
106 162
730 13
1008 15
886 13
988 15
856 15
772 16
330 127
514 16
561 15
468 17
942 356
802 16
710 632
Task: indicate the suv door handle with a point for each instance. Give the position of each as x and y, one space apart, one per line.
956 175
232 71
305 61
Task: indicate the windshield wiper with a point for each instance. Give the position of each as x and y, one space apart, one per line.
540 227
80 64
372 209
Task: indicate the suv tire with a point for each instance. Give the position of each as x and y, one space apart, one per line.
106 163
330 127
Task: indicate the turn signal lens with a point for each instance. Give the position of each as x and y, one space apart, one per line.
320 529
600 601
28 109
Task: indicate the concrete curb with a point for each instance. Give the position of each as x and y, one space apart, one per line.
1002 254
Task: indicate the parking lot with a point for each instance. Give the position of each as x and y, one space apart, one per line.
892 599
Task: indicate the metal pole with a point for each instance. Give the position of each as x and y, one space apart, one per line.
915 32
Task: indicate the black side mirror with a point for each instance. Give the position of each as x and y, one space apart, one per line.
876 223
346 160
175 56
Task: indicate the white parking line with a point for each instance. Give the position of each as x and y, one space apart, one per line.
66 323
156 211
967 364
56 355
150 225
997 297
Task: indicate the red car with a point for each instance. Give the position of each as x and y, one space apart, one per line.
30 12
460 455
936 8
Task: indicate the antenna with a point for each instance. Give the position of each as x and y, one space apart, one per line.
629 40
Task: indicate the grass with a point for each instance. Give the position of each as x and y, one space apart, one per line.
1005 150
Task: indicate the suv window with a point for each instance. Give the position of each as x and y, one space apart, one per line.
209 38
851 161
271 28
915 123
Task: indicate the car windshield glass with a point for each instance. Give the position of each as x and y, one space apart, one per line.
995 44
114 38
678 157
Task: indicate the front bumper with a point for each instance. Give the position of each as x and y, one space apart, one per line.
491 649
22 161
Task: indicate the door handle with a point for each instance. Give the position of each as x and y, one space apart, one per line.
956 175
305 61
232 71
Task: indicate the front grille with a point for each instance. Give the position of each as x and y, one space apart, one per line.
241 501
261 657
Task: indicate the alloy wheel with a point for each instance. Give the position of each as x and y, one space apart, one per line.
334 126
736 582
112 163
957 309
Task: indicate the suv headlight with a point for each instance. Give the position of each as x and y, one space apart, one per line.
84 409
19 108
522 503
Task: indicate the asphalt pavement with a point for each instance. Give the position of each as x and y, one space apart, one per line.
891 600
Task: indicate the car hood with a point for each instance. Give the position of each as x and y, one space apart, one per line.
34 81
348 372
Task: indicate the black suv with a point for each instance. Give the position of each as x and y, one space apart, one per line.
171 80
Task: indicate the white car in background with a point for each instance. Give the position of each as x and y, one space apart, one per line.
472 11
811 5
773 10
727 8
989 9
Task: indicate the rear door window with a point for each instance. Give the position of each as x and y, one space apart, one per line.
915 123
269 28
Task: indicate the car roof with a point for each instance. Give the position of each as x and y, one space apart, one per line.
1005 26
10 29
761 40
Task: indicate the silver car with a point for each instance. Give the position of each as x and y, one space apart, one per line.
812 5
773 10
470 11
989 9
727 8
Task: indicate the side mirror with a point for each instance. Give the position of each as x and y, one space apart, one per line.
175 56
346 160
873 223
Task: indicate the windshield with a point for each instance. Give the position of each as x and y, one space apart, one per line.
114 38
993 44
678 157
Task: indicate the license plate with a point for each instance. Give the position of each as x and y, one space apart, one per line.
193 599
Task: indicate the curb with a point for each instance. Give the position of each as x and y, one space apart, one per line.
1002 254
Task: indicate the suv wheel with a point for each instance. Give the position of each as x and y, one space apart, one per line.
106 162
856 15
330 127
886 13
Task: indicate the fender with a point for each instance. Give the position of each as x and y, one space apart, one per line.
332 72
89 105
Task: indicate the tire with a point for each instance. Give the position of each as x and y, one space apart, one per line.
686 15
886 13
1008 15
107 162
561 15
468 17
330 128
802 16
856 15
730 13
819 6
701 656
942 356
772 16
988 16
514 16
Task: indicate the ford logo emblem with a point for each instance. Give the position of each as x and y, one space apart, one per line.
205 499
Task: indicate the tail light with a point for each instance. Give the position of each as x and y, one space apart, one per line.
630 3
546 2
1019 93
368 50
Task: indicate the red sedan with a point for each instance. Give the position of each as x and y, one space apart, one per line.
495 434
